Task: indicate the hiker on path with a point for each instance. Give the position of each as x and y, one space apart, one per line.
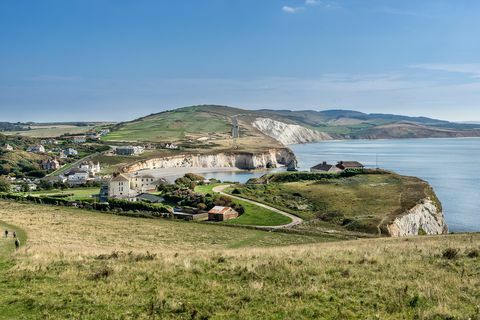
14 234
17 244
6 233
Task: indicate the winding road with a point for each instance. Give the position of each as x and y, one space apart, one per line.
295 220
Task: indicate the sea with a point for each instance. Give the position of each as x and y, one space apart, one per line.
451 166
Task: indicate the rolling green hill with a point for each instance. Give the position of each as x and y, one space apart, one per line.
214 123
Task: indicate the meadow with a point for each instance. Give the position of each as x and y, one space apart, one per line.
362 203
81 264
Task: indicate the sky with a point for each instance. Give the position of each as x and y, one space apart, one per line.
88 60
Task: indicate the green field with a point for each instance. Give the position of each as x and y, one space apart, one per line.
78 264
253 215
51 131
362 203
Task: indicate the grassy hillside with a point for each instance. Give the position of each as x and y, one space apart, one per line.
362 203
212 125
78 264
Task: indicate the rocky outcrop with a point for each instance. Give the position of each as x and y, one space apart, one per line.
241 160
288 133
425 218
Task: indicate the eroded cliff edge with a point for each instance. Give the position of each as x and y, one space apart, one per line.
425 218
271 158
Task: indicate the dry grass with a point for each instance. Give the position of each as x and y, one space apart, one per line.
195 275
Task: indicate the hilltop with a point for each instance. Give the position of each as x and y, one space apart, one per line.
212 125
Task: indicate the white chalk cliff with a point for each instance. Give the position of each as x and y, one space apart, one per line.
288 133
242 160
425 217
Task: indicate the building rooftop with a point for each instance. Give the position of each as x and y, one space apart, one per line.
219 210
120 177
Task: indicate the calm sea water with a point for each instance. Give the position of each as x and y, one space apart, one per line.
451 166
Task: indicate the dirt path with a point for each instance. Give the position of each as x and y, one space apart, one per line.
295 220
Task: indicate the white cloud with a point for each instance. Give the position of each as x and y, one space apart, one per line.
466 68
289 9
312 2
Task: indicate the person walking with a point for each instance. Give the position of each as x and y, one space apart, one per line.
14 234
6 233
17 244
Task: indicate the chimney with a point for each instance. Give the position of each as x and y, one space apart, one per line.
324 162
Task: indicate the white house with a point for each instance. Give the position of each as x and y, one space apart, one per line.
79 139
90 167
36 149
70 152
143 183
77 176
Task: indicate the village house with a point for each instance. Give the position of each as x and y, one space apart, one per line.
339 167
90 167
36 149
104 132
350 165
49 141
171 146
119 187
70 152
79 139
325 167
50 164
8 147
78 176
144 183
219 213
129 150
127 186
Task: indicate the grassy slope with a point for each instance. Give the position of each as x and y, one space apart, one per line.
77 193
186 125
171 126
253 215
357 203
61 273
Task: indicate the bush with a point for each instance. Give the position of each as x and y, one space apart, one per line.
4 185
473 253
450 253
194 177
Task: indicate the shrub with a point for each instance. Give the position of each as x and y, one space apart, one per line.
473 253
450 253
4 185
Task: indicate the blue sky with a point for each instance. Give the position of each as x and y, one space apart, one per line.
67 60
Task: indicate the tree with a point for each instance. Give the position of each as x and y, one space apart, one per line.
4 185
25 187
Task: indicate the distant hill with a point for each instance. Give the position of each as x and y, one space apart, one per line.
214 123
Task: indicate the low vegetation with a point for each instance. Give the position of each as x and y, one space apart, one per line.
80 264
352 201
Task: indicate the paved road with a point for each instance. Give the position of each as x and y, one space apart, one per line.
295 220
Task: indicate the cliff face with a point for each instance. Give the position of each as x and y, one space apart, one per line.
288 133
241 160
424 218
